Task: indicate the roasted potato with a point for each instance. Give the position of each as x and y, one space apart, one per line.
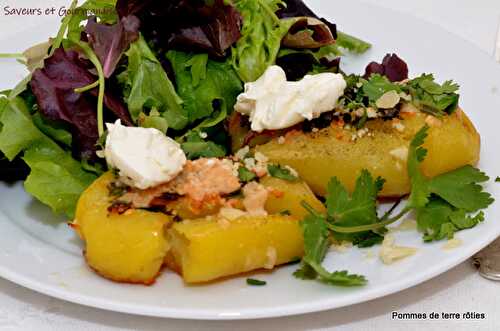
130 247
335 151
207 249
287 197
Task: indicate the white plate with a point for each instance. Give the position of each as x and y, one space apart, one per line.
40 252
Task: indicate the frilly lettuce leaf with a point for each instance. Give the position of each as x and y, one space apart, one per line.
56 179
147 86
208 88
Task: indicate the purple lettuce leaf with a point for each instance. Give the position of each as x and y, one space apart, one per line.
53 86
392 66
109 42
186 24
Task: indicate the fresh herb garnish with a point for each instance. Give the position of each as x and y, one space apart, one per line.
431 97
255 282
444 205
245 175
316 243
282 173
497 180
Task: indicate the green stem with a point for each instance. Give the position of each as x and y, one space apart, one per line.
369 227
100 99
87 88
311 210
62 30
19 56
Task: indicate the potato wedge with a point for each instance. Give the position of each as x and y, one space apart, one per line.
126 248
288 196
452 142
207 249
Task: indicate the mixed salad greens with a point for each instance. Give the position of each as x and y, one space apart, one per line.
175 66
178 66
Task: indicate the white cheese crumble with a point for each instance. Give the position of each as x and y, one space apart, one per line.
452 244
400 153
242 153
145 157
274 103
390 253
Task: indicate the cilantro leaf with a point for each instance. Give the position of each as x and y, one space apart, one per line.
416 154
376 86
439 220
245 175
460 188
431 97
433 220
442 202
316 243
282 173
361 207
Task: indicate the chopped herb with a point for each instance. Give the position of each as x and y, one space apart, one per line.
282 173
255 282
117 190
245 175
429 96
497 180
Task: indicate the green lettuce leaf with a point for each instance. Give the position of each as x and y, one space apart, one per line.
147 86
261 37
208 88
56 179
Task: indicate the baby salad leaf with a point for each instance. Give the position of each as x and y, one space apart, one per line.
316 243
208 88
54 87
56 179
148 86
260 42
196 147
20 133
110 41
352 43
210 26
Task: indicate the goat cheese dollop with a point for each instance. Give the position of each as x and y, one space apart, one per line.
274 103
145 157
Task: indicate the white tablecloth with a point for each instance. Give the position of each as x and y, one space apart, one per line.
459 290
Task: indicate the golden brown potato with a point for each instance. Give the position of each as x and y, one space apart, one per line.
126 248
288 196
207 249
452 142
